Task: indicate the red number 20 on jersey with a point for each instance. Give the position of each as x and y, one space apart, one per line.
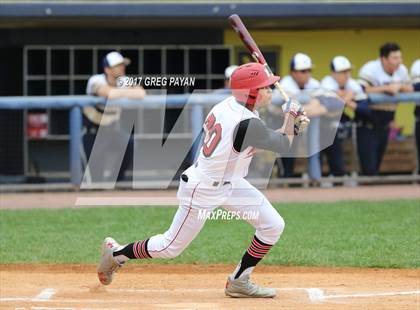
213 135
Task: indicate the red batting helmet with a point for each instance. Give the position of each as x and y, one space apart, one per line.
247 79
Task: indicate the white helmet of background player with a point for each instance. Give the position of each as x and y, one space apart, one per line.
114 65
113 59
300 69
300 62
229 70
340 64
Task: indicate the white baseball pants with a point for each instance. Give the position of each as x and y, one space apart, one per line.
196 194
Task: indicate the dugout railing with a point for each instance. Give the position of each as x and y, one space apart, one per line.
198 103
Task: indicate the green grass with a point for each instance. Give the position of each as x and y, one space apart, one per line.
366 234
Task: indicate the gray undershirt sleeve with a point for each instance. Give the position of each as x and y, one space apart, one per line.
253 132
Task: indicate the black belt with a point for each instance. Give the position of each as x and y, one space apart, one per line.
184 178
217 183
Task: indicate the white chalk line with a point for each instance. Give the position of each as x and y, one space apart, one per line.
198 290
47 308
315 295
79 301
190 290
65 301
51 308
45 294
373 294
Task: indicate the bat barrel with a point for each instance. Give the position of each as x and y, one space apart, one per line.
250 44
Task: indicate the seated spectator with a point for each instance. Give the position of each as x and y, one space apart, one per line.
388 75
415 76
297 83
109 86
341 82
301 86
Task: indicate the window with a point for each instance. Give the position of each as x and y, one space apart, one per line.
64 70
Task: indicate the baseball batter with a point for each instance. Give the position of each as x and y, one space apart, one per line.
233 130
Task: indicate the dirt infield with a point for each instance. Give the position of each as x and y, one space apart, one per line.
141 286
168 197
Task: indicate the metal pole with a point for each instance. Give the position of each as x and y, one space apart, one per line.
75 144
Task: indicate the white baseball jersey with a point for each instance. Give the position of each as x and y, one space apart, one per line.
95 115
415 71
373 74
218 160
292 88
93 83
329 83
98 80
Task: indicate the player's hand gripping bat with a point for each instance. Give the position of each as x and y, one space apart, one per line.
302 121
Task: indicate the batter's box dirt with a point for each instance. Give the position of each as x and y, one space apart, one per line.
153 286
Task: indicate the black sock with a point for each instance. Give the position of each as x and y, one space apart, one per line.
135 250
253 255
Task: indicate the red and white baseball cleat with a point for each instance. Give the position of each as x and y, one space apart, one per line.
108 264
244 288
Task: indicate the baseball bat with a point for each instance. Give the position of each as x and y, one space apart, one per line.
253 48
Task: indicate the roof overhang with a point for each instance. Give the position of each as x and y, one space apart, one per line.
264 15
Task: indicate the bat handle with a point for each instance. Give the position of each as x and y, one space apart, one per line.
281 91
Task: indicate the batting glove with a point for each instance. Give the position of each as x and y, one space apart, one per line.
301 122
295 109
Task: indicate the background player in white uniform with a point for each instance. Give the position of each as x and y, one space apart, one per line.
341 82
297 82
388 75
299 85
232 131
107 85
300 78
415 77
